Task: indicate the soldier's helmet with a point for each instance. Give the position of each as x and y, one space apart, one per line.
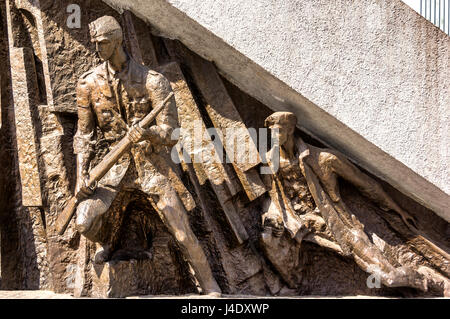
104 28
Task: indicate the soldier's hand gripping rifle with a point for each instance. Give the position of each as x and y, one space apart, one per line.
96 174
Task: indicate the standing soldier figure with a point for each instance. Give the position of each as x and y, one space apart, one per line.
115 96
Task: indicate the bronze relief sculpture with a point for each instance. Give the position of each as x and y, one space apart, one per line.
305 201
114 97
147 224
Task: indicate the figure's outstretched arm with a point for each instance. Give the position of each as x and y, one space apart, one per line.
338 165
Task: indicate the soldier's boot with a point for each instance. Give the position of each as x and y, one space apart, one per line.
173 214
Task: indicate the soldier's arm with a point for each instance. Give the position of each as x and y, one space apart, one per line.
159 88
84 138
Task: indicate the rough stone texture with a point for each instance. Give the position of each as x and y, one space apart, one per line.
368 78
28 266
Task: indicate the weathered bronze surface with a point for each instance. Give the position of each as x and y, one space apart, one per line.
226 118
210 167
25 97
307 172
167 215
117 96
97 173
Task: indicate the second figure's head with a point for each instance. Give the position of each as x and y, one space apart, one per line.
285 123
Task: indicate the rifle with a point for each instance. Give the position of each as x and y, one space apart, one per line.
96 174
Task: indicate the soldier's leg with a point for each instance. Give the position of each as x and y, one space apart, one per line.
90 218
176 219
374 263
350 235
372 260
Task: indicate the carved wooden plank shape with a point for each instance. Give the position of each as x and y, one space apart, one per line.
24 93
205 160
130 38
225 118
210 166
0 102
224 115
22 61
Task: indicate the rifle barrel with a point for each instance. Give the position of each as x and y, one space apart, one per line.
96 174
